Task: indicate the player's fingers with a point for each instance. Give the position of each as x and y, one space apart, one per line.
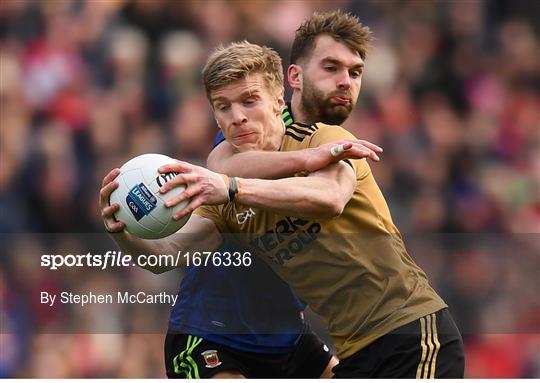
358 151
110 221
109 211
115 227
368 153
110 176
371 146
176 167
194 204
181 179
186 194
340 147
105 193
337 150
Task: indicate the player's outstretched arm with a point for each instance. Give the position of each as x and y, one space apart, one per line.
323 194
199 234
274 165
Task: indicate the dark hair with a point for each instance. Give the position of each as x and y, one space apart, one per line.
343 27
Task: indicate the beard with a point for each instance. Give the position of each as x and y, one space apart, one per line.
318 107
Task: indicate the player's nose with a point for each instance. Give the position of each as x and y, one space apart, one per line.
238 116
344 80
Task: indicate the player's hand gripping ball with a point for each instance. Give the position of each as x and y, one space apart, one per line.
142 206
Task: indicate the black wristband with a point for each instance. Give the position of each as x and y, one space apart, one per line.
233 189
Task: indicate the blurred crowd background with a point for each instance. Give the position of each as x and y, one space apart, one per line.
451 92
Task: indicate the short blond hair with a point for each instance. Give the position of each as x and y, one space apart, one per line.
237 60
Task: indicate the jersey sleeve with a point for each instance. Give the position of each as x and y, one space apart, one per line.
214 213
328 133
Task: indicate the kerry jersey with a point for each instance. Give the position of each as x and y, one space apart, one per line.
353 270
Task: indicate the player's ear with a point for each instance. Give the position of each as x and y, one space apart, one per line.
294 76
279 102
279 105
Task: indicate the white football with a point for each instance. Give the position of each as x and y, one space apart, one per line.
142 206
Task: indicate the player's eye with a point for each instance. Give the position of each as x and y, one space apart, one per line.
249 101
355 73
222 107
330 68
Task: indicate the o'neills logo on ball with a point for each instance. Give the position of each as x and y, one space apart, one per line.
163 178
211 358
140 201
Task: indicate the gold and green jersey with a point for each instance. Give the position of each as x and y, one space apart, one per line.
353 270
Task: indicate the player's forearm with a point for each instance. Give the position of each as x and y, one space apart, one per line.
260 164
301 196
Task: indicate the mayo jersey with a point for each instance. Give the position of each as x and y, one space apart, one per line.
246 308
353 270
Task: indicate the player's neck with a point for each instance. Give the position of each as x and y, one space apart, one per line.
297 111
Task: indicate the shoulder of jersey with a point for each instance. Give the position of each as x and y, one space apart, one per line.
299 131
